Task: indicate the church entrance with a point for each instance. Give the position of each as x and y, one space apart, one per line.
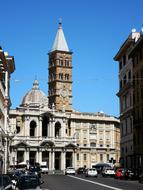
68 159
45 157
57 160
20 156
32 157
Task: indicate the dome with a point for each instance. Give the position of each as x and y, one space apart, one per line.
34 97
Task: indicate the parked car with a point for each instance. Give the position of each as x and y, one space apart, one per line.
91 172
28 181
70 171
101 166
131 174
44 169
108 172
5 182
119 173
81 170
141 178
36 170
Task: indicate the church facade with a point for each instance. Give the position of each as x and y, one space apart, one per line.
47 129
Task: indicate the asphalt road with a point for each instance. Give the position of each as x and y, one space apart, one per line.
79 182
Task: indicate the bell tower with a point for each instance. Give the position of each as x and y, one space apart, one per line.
60 73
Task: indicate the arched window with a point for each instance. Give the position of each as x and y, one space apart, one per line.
57 129
32 128
45 127
92 144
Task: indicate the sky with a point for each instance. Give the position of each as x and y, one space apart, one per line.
94 31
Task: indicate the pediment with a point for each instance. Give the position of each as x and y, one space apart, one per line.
70 145
47 143
22 144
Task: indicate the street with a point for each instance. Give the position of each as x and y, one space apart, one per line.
61 182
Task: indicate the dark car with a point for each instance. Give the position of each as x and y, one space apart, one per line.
132 174
28 181
141 178
5 182
81 170
100 167
36 170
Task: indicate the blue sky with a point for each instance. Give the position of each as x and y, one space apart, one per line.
94 30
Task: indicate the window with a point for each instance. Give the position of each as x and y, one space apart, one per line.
131 125
84 134
107 157
17 129
92 144
61 62
129 75
120 65
101 157
66 76
57 130
140 54
137 60
107 135
100 136
120 84
32 128
133 62
77 156
84 157
124 80
67 63
124 59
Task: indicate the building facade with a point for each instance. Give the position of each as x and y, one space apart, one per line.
136 55
130 95
7 67
48 129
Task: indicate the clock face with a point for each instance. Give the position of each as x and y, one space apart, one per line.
64 93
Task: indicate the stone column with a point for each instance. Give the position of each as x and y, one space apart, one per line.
27 126
63 166
40 155
50 160
53 160
40 127
27 156
73 159
49 128
81 159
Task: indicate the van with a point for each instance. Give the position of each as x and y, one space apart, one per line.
44 168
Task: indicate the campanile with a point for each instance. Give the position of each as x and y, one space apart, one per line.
60 73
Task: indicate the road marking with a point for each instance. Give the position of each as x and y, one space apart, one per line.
103 185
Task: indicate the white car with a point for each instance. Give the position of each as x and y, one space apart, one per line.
108 172
44 169
70 171
91 172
